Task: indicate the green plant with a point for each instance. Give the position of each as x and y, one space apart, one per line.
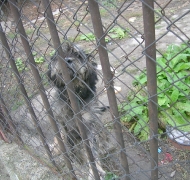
88 37
20 65
29 31
157 14
38 60
17 104
118 33
52 53
172 82
111 176
103 12
114 33
77 23
11 35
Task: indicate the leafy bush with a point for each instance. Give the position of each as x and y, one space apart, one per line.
173 78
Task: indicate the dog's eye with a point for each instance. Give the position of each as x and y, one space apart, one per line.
69 60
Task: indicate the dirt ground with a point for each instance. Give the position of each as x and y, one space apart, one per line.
16 164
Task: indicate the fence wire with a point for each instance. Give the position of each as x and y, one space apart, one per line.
96 89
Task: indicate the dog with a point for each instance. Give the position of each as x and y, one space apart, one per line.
82 70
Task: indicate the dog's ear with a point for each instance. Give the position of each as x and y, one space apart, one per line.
91 61
54 72
67 47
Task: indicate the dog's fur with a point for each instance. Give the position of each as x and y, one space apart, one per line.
83 74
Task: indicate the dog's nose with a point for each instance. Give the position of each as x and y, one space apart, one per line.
69 60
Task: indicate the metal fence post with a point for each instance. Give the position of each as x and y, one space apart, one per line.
70 89
150 52
108 81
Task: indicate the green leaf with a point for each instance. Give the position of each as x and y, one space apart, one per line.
173 49
160 95
171 121
171 77
140 125
52 53
143 80
182 66
107 39
164 118
126 118
187 50
140 99
163 84
144 135
175 94
134 108
183 106
178 59
162 101
117 32
113 36
184 128
161 62
120 32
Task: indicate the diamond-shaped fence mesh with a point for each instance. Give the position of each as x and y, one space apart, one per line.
97 89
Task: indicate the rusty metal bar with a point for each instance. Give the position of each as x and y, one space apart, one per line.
108 81
4 126
7 126
150 52
8 118
25 95
70 89
27 48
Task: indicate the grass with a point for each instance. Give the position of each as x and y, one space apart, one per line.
29 31
17 105
11 35
103 12
158 27
76 23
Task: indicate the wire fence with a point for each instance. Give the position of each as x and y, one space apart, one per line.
98 89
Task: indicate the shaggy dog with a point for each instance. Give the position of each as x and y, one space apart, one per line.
82 70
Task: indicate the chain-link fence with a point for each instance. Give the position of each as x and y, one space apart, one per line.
98 89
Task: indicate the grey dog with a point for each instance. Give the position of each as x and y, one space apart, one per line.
82 70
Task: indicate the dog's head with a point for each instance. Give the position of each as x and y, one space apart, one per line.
82 70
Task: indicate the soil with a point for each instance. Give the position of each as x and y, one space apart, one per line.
16 163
